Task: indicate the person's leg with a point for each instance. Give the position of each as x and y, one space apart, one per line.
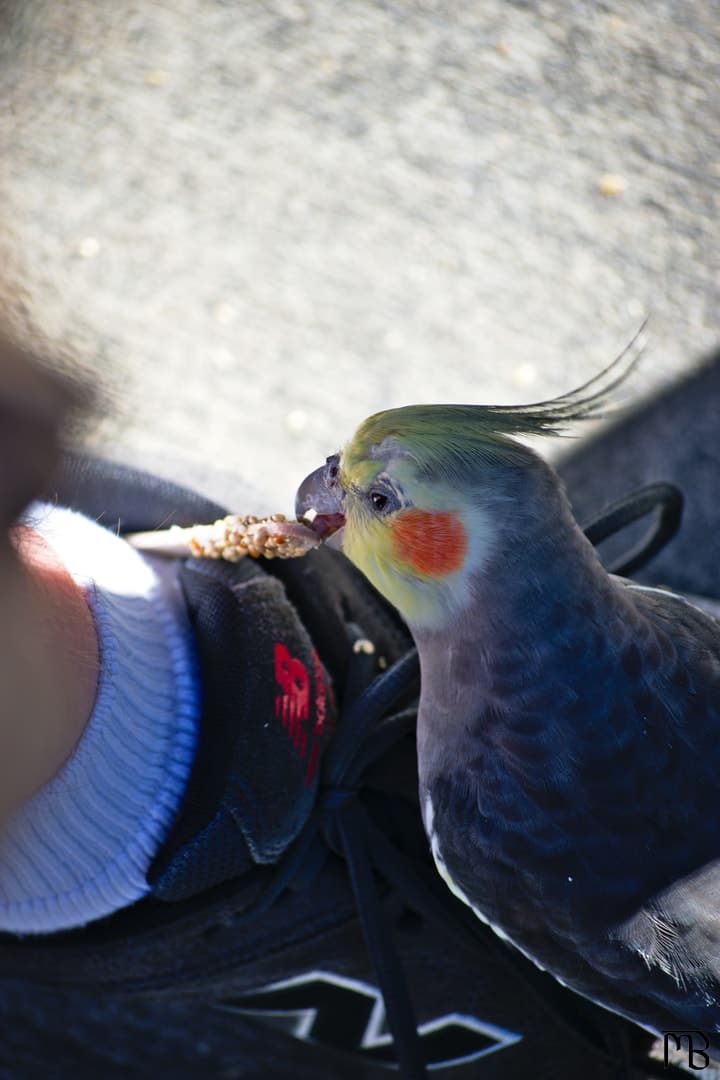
48 668
48 647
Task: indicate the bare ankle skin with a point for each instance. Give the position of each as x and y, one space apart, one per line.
49 666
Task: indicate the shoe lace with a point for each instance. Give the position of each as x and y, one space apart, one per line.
663 498
340 821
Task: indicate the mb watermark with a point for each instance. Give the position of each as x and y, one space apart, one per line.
697 1043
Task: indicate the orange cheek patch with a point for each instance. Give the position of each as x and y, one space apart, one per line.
432 543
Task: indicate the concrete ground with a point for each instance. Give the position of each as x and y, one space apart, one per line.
260 222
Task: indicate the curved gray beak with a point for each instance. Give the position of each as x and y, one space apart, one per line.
319 502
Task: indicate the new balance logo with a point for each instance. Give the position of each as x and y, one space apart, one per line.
347 1014
293 706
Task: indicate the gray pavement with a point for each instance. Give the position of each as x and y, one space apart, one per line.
260 222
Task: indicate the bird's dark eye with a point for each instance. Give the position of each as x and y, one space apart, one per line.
379 500
333 468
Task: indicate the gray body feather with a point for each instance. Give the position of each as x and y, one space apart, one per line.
569 753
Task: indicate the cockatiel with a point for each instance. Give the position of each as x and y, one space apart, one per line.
568 730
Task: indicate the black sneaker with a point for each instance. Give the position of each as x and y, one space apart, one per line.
297 926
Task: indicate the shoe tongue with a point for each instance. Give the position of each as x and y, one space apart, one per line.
286 715
268 715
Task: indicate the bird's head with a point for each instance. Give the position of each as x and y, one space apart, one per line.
422 497
390 499
418 500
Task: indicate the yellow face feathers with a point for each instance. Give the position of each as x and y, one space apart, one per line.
415 539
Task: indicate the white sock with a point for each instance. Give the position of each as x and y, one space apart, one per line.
79 849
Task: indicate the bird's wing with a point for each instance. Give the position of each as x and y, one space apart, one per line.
679 930
699 616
